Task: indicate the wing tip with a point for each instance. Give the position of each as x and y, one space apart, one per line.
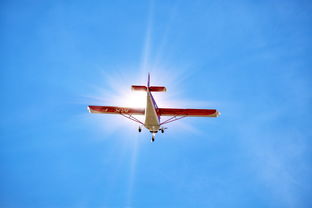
218 113
89 109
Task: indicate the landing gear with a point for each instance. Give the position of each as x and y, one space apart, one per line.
153 137
162 129
140 129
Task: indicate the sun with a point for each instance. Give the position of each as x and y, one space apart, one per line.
133 99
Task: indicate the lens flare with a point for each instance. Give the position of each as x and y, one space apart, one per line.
133 99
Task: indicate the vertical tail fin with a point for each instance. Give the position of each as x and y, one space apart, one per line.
148 88
148 80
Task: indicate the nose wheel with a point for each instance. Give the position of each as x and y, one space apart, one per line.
153 137
139 129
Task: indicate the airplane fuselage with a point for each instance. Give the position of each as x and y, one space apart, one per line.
152 120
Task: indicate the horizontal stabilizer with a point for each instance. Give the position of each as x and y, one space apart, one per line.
188 112
157 89
138 88
151 88
116 110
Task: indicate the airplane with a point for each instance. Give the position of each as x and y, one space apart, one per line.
152 112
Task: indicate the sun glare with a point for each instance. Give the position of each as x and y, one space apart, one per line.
134 99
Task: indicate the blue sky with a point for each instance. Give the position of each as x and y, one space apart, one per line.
249 59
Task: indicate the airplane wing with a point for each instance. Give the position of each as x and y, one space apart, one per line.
116 110
188 112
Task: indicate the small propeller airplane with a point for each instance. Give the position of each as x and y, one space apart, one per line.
152 112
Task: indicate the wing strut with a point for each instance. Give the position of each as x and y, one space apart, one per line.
172 119
129 116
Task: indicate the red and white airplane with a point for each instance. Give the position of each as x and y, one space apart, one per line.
151 112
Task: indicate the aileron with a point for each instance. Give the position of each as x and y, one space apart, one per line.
115 110
188 112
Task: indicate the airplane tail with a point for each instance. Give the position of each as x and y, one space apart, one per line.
150 88
148 80
157 89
